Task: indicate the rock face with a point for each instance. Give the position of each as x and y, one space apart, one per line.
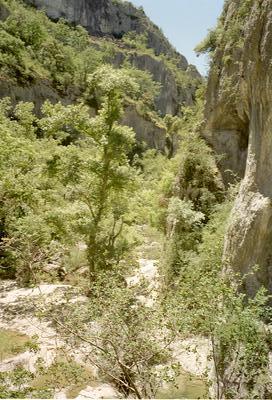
37 92
108 17
171 95
239 112
112 19
145 130
3 12
168 99
116 18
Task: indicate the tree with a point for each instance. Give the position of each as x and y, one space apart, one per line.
112 174
30 198
129 342
104 178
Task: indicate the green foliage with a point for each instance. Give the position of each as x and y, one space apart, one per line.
190 176
25 187
54 195
147 205
198 179
31 46
229 32
184 234
112 176
209 44
77 38
12 59
129 342
199 297
71 195
30 31
188 191
13 383
135 40
129 334
148 88
63 373
205 303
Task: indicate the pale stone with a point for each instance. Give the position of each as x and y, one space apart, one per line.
239 121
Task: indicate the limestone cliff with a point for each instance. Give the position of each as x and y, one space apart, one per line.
109 18
172 95
107 21
239 123
3 12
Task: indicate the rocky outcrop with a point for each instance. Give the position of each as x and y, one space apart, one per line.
168 100
109 17
239 111
36 93
171 95
4 13
116 18
146 131
112 19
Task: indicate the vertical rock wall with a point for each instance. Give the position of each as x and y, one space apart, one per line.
239 112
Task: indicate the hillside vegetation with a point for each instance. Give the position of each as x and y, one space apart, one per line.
79 196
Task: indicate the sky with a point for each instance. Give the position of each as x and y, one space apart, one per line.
185 23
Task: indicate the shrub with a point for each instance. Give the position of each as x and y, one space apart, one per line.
135 40
12 61
30 31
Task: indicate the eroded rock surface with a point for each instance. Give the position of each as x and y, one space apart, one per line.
239 124
115 19
109 18
4 13
20 309
146 131
112 20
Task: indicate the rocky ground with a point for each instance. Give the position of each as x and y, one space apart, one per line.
20 311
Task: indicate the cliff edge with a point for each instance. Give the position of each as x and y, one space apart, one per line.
109 18
239 116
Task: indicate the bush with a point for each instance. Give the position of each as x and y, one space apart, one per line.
135 40
32 46
30 30
77 37
59 61
12 60
198 179
149 89
205 302
31 228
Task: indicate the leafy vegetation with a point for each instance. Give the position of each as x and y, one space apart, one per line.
41 49
76 199
132 339
209 305
203 300
227 32
63 373
66 189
